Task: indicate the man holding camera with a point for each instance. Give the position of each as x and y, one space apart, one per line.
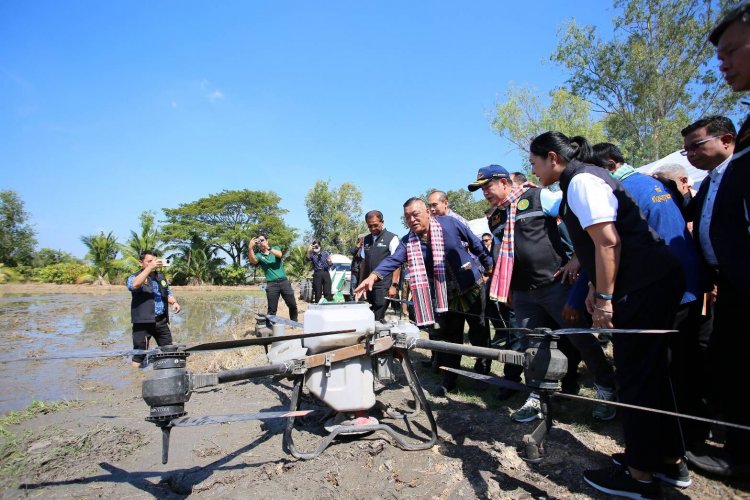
321 263
259 252
148 308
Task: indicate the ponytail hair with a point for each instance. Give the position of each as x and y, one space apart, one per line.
574 148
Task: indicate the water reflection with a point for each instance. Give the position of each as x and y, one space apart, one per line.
59 324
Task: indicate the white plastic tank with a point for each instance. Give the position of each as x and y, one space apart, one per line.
346 385
331 317
349 388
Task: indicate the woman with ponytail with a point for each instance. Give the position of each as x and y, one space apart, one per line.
636 283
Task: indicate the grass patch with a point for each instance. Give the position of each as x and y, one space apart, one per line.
34 409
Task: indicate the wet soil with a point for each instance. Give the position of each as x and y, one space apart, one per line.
103 447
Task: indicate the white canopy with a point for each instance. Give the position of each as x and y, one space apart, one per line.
696 176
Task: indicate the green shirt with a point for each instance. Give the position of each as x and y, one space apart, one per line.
272 265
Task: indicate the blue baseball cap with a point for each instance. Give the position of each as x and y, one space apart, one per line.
487 174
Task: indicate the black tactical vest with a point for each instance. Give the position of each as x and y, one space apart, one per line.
375 253
538 250
142 303
644 258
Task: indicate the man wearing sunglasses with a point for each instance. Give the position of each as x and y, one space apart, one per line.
260 252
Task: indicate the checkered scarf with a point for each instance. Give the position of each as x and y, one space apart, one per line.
420 286
500 284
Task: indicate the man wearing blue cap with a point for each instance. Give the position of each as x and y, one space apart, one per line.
531 261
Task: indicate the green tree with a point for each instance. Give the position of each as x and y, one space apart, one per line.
295 265
523 116
48 256
335 214
17 239
103 250
194 263
147 239
653 77
226 221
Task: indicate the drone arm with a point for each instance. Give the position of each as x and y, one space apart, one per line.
512 357
257 371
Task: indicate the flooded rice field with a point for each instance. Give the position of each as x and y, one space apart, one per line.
34 325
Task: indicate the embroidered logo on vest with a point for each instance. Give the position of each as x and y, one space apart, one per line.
523 204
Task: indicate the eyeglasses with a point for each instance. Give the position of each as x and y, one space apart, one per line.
694 146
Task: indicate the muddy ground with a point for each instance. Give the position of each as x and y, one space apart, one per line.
103 447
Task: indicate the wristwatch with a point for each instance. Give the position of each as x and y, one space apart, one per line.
603 296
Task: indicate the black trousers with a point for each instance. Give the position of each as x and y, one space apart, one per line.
321 285
642 372
281 288
450 328
686 367
143 331
728 354
377 296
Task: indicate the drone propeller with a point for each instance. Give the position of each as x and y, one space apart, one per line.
223 419
82 355
208 346
283 321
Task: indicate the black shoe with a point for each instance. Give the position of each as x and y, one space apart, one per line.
504 393
617 481
441 391
675 474
716 463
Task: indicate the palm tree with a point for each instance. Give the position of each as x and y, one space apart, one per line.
102 253
295 265
195 263
148 239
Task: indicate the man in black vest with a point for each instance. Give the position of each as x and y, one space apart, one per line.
724 237
378 245
148 308
526 217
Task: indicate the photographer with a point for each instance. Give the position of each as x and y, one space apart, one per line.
321 263
259 252
148 307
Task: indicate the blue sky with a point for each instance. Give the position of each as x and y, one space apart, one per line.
111 108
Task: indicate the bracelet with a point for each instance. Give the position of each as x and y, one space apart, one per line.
603 296
603 310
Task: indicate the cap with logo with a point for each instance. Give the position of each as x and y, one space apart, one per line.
487 174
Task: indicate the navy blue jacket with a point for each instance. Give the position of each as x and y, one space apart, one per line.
458 261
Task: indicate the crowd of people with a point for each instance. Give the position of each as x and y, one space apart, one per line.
610 248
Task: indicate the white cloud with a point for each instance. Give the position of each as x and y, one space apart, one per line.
216 95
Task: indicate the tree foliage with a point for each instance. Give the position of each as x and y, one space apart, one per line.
103 250
17 239
194 263
335 215
655 75
48 256
226 221
523 116
148 238
295 264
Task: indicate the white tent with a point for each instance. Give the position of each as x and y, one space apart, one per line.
479 226
696 176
